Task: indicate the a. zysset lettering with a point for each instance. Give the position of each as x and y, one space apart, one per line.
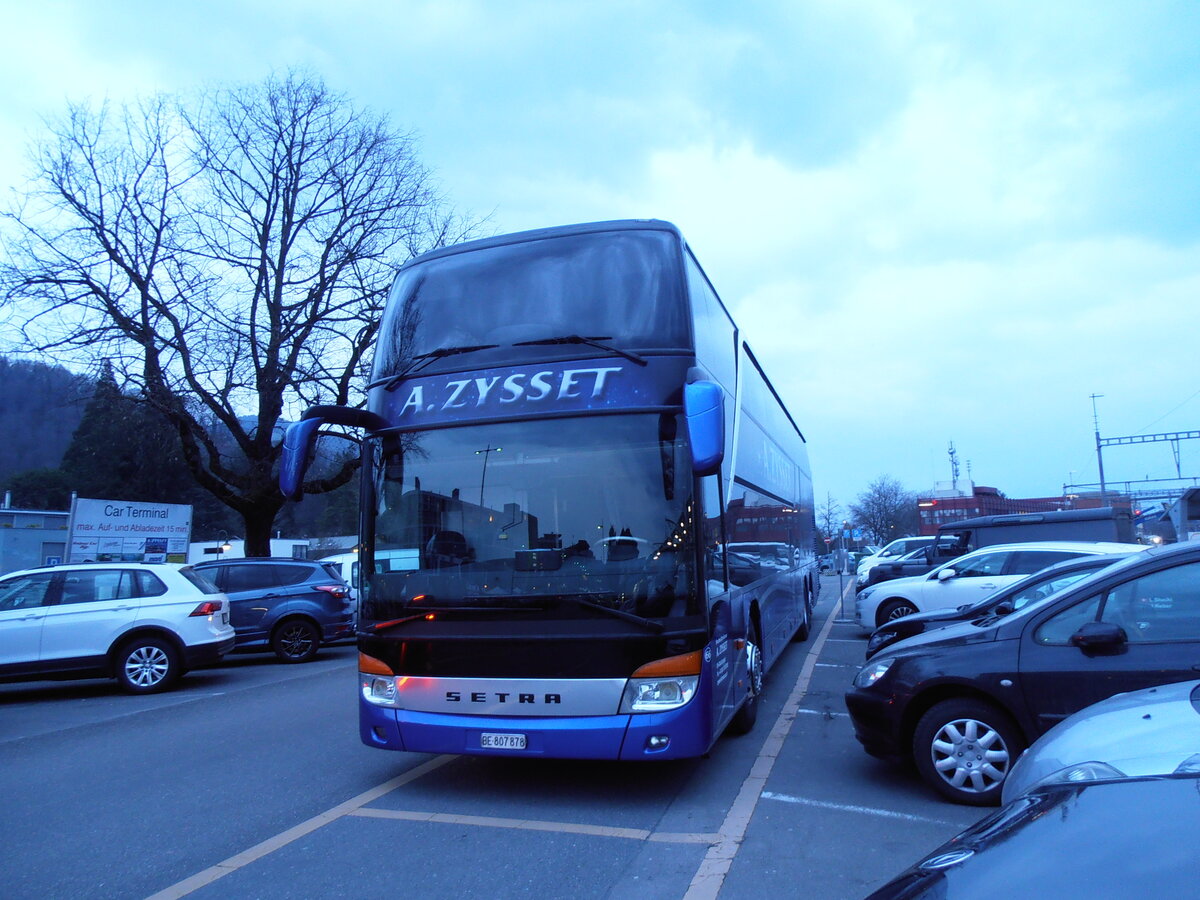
569 384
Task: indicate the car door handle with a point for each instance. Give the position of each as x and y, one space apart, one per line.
988 587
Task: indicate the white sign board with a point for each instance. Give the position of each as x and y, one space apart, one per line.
125 531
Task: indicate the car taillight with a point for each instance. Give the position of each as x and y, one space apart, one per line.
207 608
336 591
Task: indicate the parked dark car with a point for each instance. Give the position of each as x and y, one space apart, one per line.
964 700
1129 838
1017 596
291 606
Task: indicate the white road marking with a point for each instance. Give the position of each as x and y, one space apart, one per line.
863 810
822 712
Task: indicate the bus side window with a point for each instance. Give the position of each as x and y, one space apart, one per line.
712 534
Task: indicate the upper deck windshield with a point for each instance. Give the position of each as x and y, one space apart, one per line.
620 286
585 518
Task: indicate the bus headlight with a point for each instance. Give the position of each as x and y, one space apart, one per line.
379 689
648 695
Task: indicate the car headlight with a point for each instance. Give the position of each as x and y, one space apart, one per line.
1190 766
649 695
878 639
869 674
1075 774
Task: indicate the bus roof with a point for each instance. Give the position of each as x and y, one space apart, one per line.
538 234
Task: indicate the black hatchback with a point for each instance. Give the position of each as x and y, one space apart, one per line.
962 702
291 606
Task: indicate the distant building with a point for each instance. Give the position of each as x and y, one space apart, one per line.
964 500
31 537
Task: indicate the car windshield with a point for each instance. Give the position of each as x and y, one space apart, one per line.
533 516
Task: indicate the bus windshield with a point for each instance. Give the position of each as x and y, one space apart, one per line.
621 287
557 518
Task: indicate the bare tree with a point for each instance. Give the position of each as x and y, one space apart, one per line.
229 256
885 510
829 519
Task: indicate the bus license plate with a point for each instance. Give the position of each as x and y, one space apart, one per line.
502 741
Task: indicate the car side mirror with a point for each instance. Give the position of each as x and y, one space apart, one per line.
946 574
1002 609
1099 636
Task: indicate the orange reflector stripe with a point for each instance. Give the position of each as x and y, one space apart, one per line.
688 664
373 666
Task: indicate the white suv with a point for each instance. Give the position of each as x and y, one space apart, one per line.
892 552
969 578
144 624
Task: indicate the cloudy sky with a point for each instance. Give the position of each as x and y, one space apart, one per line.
934 221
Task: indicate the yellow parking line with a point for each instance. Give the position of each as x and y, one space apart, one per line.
270 845
634 834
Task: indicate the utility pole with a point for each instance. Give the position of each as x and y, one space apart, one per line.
1099 453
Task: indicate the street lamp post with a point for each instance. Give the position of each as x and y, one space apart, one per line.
486 451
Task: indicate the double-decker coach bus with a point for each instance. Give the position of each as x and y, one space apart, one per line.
587 519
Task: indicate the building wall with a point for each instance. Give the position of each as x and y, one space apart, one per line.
31 537
937 511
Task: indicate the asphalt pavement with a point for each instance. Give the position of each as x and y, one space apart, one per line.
249 781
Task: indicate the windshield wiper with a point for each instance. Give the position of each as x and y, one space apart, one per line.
421 360
596 342
648 624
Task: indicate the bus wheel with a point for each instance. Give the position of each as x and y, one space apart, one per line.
802 632
744 719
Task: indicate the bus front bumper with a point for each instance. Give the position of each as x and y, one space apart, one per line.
620 737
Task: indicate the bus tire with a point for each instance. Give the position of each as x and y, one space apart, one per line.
802 632
747 714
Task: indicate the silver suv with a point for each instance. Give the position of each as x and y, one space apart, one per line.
144 624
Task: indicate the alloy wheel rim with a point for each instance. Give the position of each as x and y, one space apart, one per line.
754 669
970 755
296 641
146 666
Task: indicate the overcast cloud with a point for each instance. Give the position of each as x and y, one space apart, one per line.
934 222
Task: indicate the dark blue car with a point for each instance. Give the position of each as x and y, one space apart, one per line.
291 606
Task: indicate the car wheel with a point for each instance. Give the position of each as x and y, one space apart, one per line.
894 609
295 640
744 719
964 748
147 665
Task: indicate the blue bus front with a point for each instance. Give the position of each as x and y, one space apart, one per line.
529 511
535 586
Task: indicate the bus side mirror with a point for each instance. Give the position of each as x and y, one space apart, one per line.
704 410
298 442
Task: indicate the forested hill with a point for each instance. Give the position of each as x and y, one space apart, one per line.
40 408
